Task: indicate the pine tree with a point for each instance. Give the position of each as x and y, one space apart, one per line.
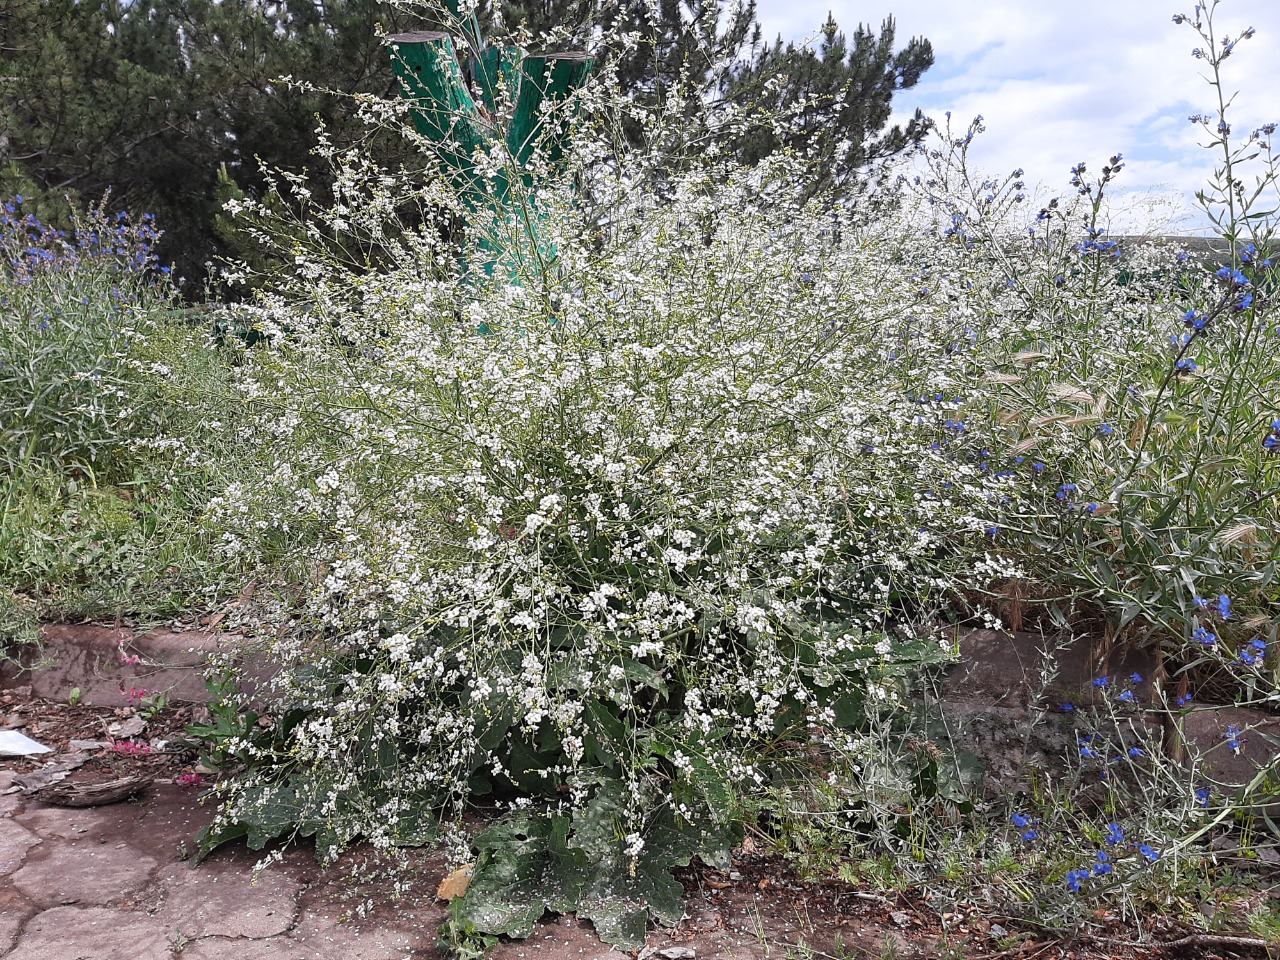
153 98
838 96
841 98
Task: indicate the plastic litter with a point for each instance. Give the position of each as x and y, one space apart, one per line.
15 744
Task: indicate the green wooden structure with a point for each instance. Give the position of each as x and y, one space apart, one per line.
435 78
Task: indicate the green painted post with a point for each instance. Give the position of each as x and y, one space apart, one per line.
431 76
545 80
494 67
426 64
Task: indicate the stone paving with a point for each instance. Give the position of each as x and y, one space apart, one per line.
112 883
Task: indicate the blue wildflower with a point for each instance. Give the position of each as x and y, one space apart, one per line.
1114 834
1067 708
1073 879
1233 277
1136 753
1253 652
1200 602
1183 699
1135 678
1101 682
1202 797
1224 606
1149 852
1128 697
1020 821
1235 741
1204 637
1103 866
1106 429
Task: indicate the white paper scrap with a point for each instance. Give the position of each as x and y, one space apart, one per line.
15 744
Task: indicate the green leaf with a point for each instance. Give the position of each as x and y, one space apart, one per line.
533 862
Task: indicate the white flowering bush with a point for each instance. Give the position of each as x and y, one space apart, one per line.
650 523
678 524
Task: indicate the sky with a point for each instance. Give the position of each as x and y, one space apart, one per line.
1061 83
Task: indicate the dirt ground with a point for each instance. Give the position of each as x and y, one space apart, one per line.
73 872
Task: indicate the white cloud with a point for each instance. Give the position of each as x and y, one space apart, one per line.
1061 84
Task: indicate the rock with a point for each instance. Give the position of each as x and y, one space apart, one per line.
70 932
998 931
218 900
677 953
900 918
90 876
126 729
15 841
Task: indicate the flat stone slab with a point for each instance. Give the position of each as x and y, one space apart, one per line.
223 900
324 937
15 841
157 827
90 874
14 910
76 933
277 948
